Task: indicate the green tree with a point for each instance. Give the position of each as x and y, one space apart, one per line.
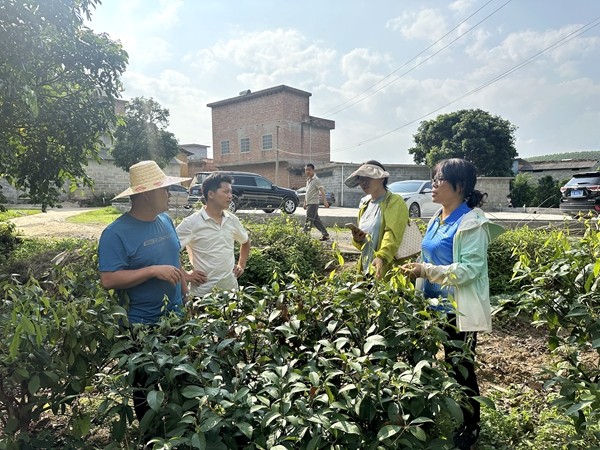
521 190
547 192
487 141
58 85
141 135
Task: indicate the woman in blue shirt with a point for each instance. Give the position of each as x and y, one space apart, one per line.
453 272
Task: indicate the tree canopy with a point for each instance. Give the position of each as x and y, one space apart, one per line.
142 135
58 85
487 141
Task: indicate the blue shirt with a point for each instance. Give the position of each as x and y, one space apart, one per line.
129 244
437 248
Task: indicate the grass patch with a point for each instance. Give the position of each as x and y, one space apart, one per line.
15 213
102 216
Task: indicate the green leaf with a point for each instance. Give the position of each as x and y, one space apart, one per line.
192 391
186 368
484 401
578 407
418 433
373 341
346 427
155 399
210 423
245 428
34 384
388 431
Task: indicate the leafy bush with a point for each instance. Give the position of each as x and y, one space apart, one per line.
563 293
8 238
297 365
56 336
280 246
537 245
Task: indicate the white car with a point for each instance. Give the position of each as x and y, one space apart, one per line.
416 194
179 195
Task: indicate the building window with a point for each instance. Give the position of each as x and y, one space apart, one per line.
268 142
244 145
224 147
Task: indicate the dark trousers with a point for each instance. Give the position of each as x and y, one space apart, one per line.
471 415
312 218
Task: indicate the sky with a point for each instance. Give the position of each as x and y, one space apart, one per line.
377 68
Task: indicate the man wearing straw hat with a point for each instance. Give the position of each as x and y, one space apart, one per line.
139 254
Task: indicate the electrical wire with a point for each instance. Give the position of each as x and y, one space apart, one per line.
340 107
557 44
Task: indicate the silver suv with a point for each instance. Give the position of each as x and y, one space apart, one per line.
251 191
581 194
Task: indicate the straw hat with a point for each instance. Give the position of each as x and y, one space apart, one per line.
367 171
146 176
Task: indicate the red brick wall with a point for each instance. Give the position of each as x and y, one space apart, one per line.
280 114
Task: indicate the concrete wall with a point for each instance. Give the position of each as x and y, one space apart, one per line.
333 176
109 180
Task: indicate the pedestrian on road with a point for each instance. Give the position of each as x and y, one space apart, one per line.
453 272
209 236
382 220
139 254
311 202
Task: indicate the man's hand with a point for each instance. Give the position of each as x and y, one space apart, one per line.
171 274
325 203
197 277
304 205
238 270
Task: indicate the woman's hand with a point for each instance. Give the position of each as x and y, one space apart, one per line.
378 265
413 270
357 234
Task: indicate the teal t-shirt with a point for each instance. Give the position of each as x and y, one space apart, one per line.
129 244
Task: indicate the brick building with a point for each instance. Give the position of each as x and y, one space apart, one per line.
270 132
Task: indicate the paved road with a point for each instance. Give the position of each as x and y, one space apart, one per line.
340 216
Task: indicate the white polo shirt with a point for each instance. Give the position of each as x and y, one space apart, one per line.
210 247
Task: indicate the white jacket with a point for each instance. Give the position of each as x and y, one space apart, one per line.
468 273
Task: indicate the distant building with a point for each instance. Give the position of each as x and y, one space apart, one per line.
195 159
270 132
559 166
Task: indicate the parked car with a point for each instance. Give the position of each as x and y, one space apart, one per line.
179 195
251 190
329 195
581 194
416 194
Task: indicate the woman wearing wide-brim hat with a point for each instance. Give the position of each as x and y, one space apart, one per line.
382 220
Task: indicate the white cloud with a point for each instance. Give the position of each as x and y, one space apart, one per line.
461 6
268 57
426 24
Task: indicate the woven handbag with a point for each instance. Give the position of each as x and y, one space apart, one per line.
411 241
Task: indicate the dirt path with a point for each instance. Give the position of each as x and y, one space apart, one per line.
54 224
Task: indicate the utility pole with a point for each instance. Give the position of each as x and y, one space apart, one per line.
277 157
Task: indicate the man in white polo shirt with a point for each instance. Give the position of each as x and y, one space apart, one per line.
209 237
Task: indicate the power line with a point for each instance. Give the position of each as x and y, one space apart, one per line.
340 107
562 41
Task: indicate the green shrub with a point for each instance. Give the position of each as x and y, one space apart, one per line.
8 238
56 336
319 363
563 294
280 246
537 245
